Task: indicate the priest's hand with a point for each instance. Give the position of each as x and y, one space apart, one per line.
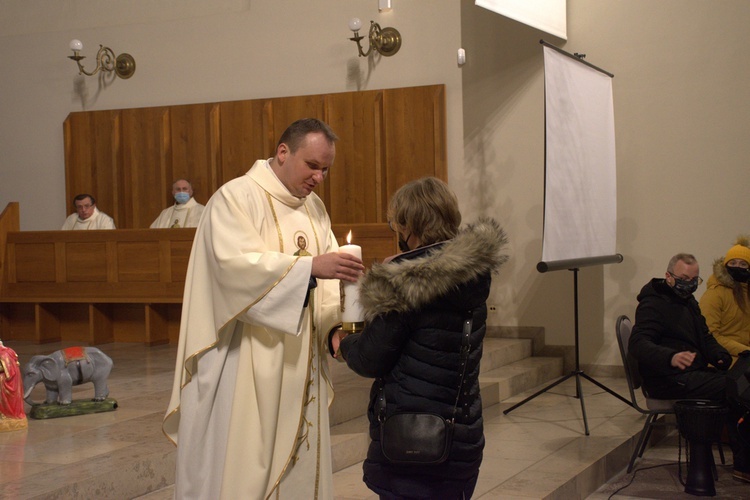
339 266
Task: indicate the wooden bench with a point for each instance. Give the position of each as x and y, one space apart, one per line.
93 286
123 285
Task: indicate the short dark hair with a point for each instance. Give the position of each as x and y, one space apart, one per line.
427 208
83 196
297 131
687 258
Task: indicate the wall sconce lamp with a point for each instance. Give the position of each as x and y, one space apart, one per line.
386 41
106 61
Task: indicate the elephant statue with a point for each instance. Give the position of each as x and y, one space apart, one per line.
63 369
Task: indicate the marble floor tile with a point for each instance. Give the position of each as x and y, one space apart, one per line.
539 450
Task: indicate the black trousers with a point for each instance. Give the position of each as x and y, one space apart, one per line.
707 384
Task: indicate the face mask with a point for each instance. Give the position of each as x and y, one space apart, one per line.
685 288
181 197
403 245
739 274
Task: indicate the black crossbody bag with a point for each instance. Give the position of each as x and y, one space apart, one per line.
413 438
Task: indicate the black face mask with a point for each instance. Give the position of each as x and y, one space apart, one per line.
739 274
684 288
403 245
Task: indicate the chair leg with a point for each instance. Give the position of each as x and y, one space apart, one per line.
642 440
721 453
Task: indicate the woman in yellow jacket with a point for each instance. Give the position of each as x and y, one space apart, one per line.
726 302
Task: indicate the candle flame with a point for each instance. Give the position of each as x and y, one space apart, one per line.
349 238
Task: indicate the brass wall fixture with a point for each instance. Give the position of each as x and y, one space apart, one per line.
106 61
386 41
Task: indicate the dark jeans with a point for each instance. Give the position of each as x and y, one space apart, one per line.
698 384
707 384
468 490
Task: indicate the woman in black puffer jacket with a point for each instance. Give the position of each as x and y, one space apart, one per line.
415 306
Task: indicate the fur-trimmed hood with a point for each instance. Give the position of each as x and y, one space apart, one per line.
416 278
720 276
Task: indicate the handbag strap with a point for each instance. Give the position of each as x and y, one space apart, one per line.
465 348
464 352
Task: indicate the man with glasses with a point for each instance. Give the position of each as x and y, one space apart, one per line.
87 216
677 356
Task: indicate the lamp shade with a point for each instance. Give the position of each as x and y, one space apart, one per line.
355 24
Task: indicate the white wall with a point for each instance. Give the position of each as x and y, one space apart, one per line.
681 103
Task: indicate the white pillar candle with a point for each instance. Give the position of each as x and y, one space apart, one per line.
352 315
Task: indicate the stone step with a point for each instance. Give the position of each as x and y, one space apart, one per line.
500 352
523 375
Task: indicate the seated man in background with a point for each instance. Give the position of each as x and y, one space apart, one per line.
87 216
186 212
677 356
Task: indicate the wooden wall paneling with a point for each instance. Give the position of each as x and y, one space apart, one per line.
357 175
92 156
440 132
19 321
34 262
287 110
128 323
107 157
86 262
5 320
377 113
156 324
61 268
10 266
412 149
138 261
100 329
79 152
146 158
179 255
214 142
192 155
47 323
10 220
174 314
244 138
377 240
74 320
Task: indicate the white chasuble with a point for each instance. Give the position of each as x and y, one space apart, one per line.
98 220
179 215
249 406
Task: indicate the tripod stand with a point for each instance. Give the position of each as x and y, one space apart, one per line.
577 373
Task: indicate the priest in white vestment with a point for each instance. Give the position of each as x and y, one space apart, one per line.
87 216
249 406
186 212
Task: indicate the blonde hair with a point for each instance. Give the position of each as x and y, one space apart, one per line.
426 208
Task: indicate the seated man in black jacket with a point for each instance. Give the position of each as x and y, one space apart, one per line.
677 356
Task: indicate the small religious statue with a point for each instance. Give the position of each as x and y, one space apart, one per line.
12 415
62 370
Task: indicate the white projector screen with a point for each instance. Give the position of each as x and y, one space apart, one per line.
546 15
580 190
